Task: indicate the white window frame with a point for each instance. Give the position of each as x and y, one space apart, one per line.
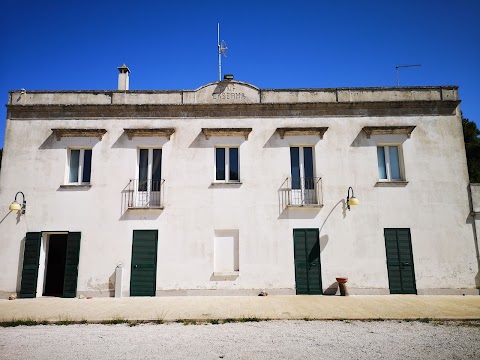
227 164
388 171
149 162
81 160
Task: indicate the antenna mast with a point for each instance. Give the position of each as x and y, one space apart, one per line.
222 48
401 67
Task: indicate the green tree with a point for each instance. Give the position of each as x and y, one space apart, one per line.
472 148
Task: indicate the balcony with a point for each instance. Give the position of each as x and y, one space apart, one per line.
301 192
143 194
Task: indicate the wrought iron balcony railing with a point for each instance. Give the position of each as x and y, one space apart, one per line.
301 192
144 194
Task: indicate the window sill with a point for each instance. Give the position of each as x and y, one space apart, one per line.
225 276
226 184
304 206
75 187
136 208
397 183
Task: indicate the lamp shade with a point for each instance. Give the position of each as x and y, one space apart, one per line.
353 201
15 206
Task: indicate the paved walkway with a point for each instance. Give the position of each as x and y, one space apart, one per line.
359 307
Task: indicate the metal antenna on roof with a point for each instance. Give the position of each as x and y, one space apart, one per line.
404 66
222 49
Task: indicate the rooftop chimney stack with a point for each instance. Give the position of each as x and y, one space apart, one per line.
123 77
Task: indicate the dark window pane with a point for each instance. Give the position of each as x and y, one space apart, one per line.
308 164
87 165
394 163
233 157
220 163
143 170
295 167
74 160
382 170
156 168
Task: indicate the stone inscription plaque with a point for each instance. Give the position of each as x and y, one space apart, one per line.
228 92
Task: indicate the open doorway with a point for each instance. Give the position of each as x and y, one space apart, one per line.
50 264
56 251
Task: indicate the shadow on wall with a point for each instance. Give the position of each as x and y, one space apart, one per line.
344 212
304 213
52 143
361 140
276 142
124 143
471 221
20 264
323 242
3 219
332 289
201 142
111 284
141 215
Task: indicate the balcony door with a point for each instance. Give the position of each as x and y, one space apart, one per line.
303 180
149 177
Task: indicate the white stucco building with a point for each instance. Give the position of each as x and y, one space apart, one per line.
232 189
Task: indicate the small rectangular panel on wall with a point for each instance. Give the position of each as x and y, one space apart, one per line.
226 251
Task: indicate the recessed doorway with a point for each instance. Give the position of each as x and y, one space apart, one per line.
55 265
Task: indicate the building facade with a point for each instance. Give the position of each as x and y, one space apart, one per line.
231 189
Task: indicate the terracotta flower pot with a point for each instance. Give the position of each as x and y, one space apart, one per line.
342 279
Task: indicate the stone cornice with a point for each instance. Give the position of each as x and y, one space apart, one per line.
66 132
388 130
167 132
373 108
289 131
208 132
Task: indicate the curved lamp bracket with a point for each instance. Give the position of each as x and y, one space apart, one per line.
16 206
351 200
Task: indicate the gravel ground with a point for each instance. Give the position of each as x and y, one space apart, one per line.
253 340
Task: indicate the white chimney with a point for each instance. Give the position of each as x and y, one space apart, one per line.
123 77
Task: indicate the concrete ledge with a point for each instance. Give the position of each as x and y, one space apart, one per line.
448 291
106 293
173 308
224 292
6 294
367 291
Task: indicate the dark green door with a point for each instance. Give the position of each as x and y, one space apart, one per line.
401 273
308 278
144 263
71 265
31 256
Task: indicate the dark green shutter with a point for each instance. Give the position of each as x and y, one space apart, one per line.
144 263
31 257
71 265
308 278
401 273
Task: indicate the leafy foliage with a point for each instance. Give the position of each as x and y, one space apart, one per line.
472 148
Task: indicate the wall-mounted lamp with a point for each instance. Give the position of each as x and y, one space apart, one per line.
15 205
351 200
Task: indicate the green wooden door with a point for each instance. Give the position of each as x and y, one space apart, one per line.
144 263
401 273
31 255
308 274
71 265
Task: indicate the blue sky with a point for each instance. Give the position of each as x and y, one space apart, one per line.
78 45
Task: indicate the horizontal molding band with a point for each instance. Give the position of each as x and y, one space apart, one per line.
356 109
